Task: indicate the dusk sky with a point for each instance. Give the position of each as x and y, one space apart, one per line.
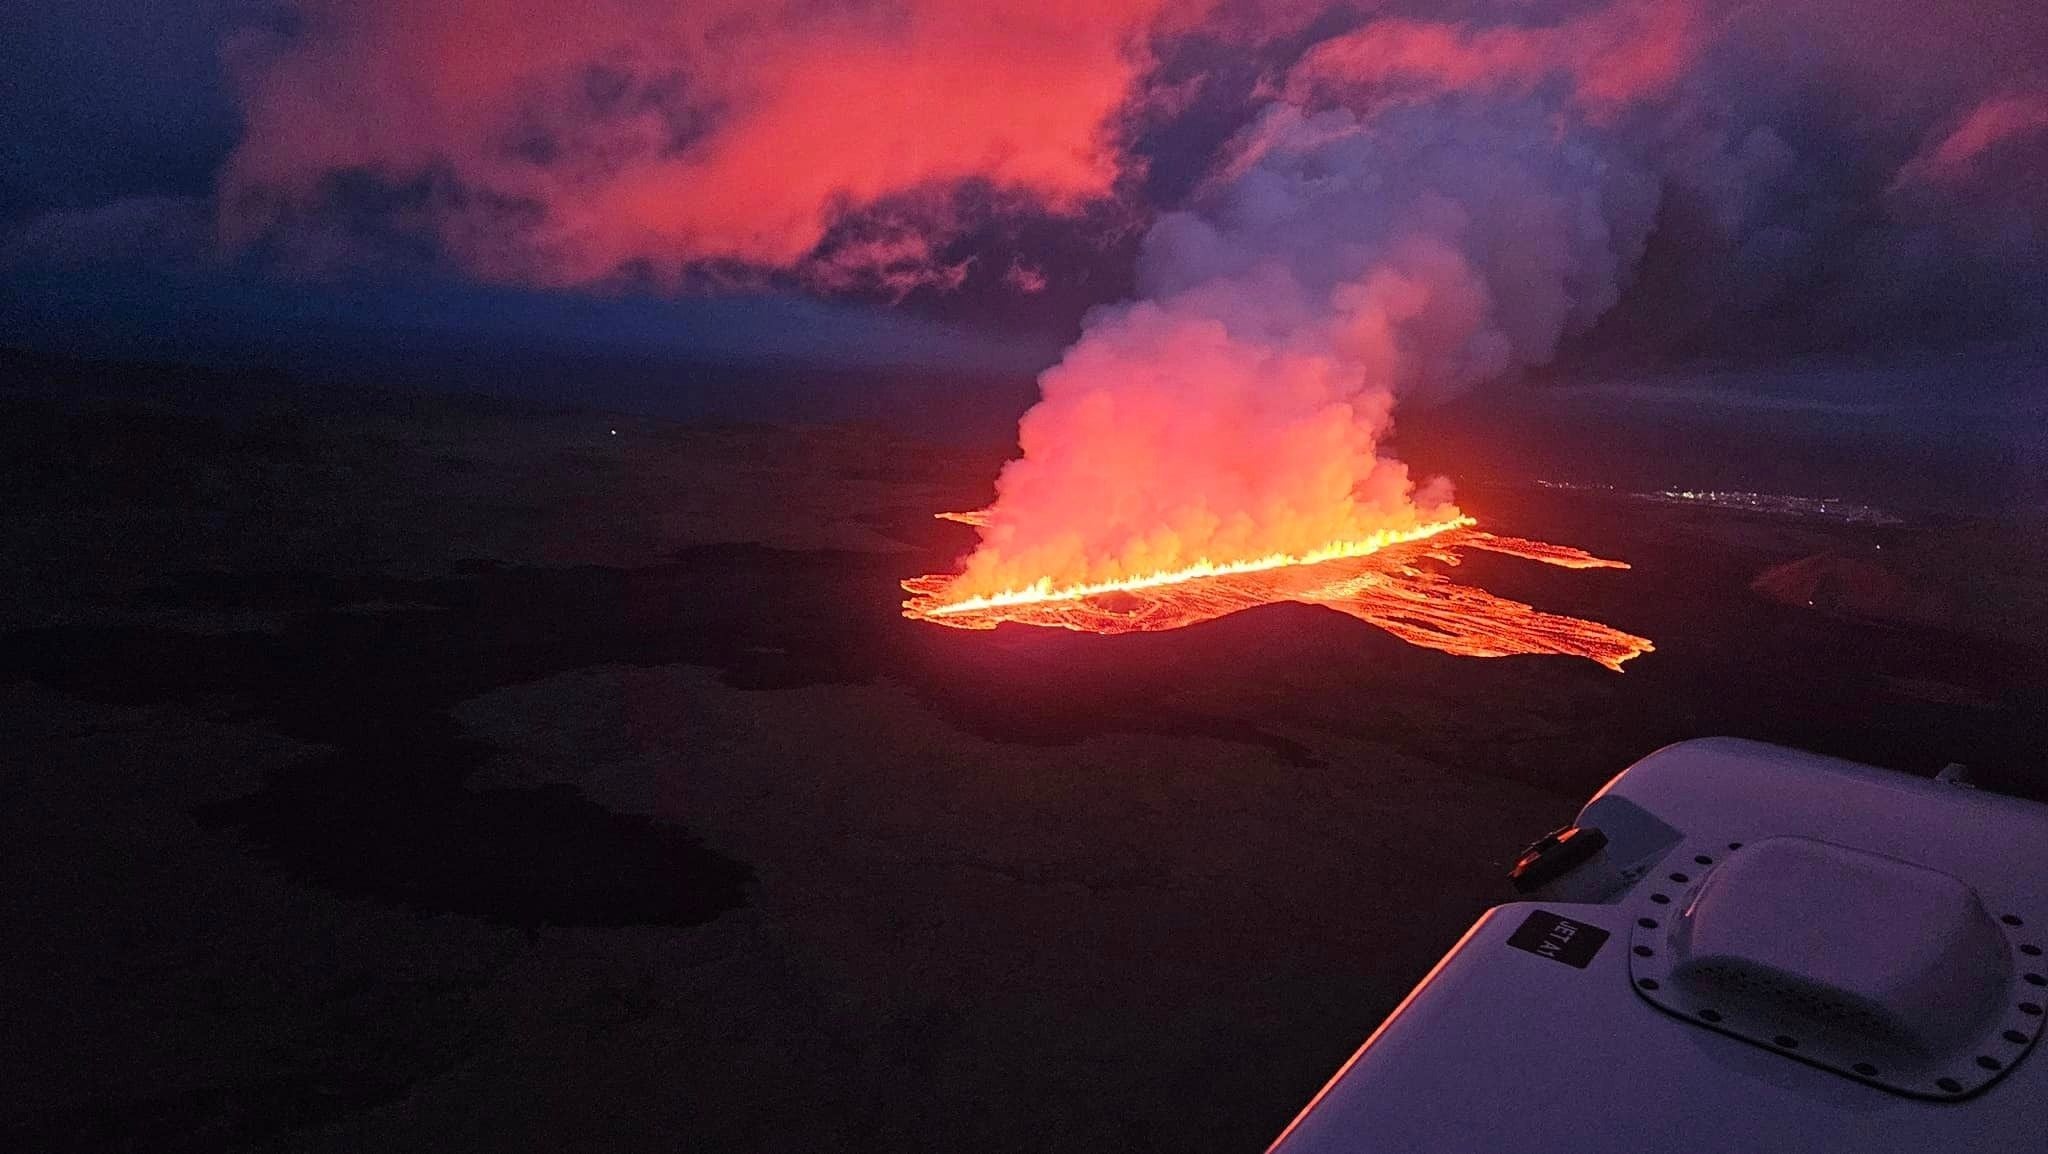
954 185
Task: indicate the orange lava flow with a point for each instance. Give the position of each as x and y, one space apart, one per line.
1381 582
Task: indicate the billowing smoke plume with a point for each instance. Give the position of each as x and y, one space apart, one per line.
1342 261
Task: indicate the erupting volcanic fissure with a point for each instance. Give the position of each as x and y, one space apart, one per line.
1220 442
1045 590
1384 583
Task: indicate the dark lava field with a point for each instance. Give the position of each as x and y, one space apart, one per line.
384 765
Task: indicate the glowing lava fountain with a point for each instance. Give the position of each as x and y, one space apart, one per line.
1382 580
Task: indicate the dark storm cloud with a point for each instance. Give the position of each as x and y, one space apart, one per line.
1817 196
108 99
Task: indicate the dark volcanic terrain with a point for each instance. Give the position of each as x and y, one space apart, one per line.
391 772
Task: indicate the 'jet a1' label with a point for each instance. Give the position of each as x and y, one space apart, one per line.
1560 939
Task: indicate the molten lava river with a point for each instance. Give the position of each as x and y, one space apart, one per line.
1391 582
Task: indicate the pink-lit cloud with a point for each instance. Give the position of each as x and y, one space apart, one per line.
1025 278
1611 56
561 141
1996 121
